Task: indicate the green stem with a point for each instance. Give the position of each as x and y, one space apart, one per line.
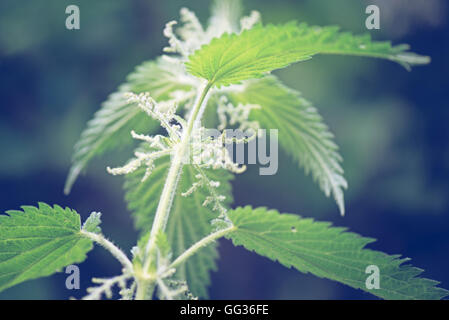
144 290
112 248
168 192
200 244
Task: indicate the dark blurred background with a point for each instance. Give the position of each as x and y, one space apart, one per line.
391 125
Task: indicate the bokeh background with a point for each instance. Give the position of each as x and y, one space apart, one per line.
392 126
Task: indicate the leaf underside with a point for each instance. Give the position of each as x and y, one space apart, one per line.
302 132
327 252
253 53
189 221
38 242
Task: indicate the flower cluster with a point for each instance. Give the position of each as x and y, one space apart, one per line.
158 145
236 114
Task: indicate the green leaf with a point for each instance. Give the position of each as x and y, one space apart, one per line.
302 132
38 242
111 126
235 57
327 252
189 221
92 224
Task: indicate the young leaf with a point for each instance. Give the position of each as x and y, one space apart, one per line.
327 252
302 132
189 221
111 126
163 245
92 224
235 57
38 242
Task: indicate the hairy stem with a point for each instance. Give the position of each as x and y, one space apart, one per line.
166 200
112 248
200 244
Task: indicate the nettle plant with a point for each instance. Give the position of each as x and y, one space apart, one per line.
213 78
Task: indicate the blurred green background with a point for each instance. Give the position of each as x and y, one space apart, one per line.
391 126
